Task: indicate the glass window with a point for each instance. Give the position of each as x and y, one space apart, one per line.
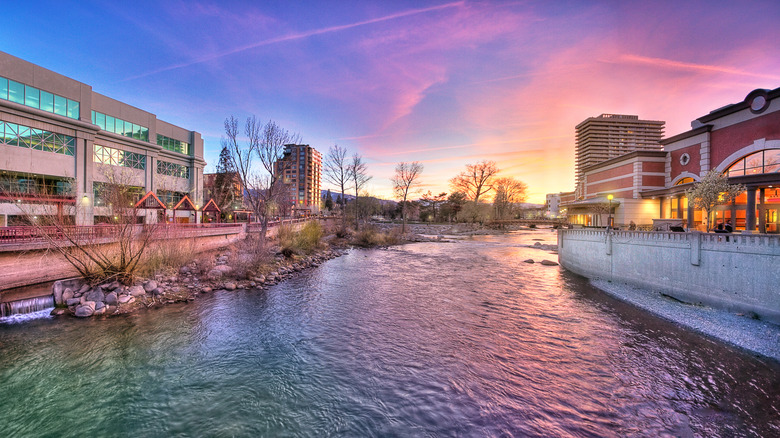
60 106
47 101
73 109
15 92
110 123
100 120
754 163
772 161
32 97
4 88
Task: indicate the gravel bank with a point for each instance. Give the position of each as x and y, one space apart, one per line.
756 336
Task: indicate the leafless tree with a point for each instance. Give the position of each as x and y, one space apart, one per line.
336 171
477 180
407 177
258 161
712 190
509 192
358 174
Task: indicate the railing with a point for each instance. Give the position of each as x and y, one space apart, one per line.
93 233
256 227
669 236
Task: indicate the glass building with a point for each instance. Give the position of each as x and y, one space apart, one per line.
60 141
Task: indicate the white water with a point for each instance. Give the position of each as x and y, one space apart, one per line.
25 310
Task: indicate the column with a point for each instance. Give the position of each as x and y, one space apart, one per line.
761 214
750 214
690 214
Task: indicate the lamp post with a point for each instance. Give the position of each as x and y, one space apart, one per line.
609 220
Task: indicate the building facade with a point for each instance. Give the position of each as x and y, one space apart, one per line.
609 136
301 168
554 204
60 142
741 140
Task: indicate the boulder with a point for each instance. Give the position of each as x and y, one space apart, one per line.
111 286
157 292
57 312
73 301
225 269
230 286
549 263
99 311
184 270
528 261
206 290
123 299
95 294
148 286
214 274
66 295
99 305
138 291
111 299
84 289
85 310
57 290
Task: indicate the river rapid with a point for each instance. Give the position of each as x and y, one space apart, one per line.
425 339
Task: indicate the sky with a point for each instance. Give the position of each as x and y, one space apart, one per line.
443 83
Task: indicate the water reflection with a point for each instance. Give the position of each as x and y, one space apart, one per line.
432 338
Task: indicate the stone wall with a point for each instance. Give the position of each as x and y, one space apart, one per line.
738 272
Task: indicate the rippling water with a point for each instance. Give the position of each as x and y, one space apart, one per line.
430 339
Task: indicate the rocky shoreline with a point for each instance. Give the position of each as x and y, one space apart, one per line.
83 301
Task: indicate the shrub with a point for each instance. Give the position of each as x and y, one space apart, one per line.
370 237
301 242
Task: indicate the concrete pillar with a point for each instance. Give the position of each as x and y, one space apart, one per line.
750 214
733 219
690 214
695 238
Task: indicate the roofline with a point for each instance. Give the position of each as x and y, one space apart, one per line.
736 107
686 134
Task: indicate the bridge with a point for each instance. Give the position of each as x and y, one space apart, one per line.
501 224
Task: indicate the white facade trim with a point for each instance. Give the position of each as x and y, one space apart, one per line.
757 145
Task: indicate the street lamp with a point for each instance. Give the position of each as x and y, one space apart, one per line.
609 220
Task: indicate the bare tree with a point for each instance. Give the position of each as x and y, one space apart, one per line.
713 189
259 163
406 177
226 188
336 171
358 174
509 192
476 181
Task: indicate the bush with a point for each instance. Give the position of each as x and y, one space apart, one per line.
369 237
304 241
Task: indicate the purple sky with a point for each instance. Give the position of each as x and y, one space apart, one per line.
442 83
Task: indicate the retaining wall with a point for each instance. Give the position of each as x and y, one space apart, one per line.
737 272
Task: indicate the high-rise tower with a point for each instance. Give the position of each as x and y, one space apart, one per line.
612 135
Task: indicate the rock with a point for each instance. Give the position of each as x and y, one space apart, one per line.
66 295
99 311
123 299
111 299
537 244
225 269
149 286
138 291
549 263
206 290
85 310
57 290
230 286
214 274
260 279
99 305
57 312
157 292
95 294
252 284
73 302
112 286
528 261
84 289
184 270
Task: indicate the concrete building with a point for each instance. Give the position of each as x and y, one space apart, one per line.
554 204
60 141
302 170
609 136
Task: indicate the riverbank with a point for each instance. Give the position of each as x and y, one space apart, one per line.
740 330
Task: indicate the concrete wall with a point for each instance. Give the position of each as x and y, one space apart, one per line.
733 272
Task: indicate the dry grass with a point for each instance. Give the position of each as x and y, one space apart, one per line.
370 236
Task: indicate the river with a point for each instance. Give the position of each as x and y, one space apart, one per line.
425 339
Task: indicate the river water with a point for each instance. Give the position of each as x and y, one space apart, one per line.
427 339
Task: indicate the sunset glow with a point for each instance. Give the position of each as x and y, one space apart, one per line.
443 83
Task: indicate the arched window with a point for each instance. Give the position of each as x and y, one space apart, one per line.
686 180
766 161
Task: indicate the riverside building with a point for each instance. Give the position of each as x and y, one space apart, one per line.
60 141
301 168
648 188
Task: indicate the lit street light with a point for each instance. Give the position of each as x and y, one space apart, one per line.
609 220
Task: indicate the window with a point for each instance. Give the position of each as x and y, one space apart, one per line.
686 180
39 99
23 136
117 157
174 145
120 127
766 161
172 169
